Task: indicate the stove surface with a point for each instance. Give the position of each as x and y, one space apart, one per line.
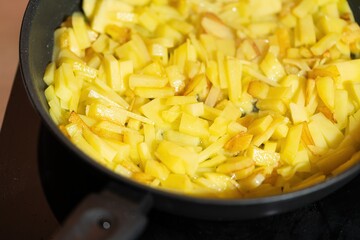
38 190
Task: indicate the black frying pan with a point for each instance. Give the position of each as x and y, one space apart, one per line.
120 210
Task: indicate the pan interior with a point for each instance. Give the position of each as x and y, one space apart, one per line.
36 43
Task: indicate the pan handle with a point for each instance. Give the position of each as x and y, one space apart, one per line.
106 215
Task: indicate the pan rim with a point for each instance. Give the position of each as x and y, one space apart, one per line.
26 73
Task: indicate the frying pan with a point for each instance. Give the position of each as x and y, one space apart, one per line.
119 211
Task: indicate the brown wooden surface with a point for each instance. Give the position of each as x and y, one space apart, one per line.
11 13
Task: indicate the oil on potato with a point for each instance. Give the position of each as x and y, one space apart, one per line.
224 99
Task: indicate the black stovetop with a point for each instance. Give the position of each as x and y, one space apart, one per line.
41 182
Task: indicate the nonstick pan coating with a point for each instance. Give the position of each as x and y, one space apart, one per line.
36 41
